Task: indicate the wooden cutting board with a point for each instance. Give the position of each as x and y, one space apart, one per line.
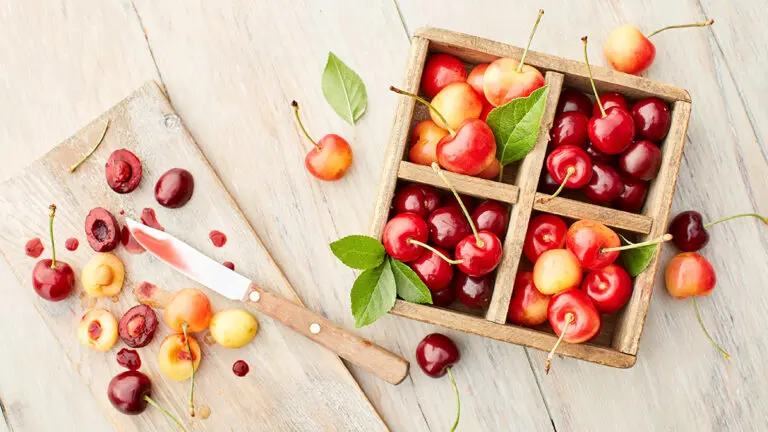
293 385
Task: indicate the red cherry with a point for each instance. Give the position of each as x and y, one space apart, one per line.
433 269
330 158
444 298
587 240
174 188
596 155
609 100
545 232
652 119
491 216
586 319
479 258
609 288
569 159
570 129
641 160
475 79
441 70
528 306
574 100
612 133
469 150
469 202
688 232
547 184
632 196
473 292
129 392
417 198
487 108
397 233
436 353
53 279
447 227
604 186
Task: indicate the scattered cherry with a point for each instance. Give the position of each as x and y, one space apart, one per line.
130 392
573 100
102 230
398 234
545 232
609 288
436 354
447 227
174 188
240 368
433 269
573 318
417 198
129 359
641 160
330 158
632 195
137 326
652 119
53 280
491 216
570 128
476 78
690 233
604 186
528 306
34 248
473 292
439 71
123 171
609 100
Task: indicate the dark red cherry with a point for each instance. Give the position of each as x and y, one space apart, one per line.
652 119
569 128
417 198
632 196
473 292
445 297
574 100
469 202
447 227
433 270
436 353
174 188
568 157
397 233
53 283
545 232
610 100
128 392
123 171
688 233
604 186
479 259
612 133
641 160
547 184
597 156
491 216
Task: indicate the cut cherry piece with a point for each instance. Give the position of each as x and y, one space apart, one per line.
51 279
129 243
604 186
129 359
240 368
545 232
491 216
652 119
137 327
447 227
174 188
609 100
441 70
433 269
570 128
102 230
149 218
71 244
641 160
473 292
572 100
218 238
399 233
632 195
123 171
417 198
609 288
34 248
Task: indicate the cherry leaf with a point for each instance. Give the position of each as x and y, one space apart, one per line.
638 259
373 294
359 252
409 286
344 90
516 125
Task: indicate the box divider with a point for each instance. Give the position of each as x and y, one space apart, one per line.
580 210
477 187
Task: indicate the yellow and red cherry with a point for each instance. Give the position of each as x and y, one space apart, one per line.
573 100
506 79
632 196
652 119
528 306
604 186
475 79
629 51
444 298
570 167
491 216
178 356
433 269
609 288
440 71
53 279
590 241
189 309
556 270
436 354
330 158
545 232
417 198
130 393
569 128
400 233
455 104
473 292
573 318
492 171
613 130
609 100
641 160
447 227
424 138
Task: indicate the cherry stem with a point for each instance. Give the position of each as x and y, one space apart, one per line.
93 150
592 80
433 250
701 24
51 215
568 173
478 240
568 319
662 239
762 219
164 411
429 105
458 401
192 363
295 106
701 323
530 39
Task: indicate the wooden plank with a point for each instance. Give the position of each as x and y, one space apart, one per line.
477 187
527 178
581 210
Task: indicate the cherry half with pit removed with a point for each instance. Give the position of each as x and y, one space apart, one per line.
174 188
102 230
123 171
53 279
137 326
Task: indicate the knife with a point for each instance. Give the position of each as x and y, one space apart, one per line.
232 285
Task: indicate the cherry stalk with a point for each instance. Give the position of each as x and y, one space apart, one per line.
530 39
74 166
184 328
568 320
662 239
706 333
472 225
700 24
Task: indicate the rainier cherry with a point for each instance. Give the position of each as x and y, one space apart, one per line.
440 71
330 158
424 138
53 280
573 318
436 354
556 270
528 306
690 232
454 104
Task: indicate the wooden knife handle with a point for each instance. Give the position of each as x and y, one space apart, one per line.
364 353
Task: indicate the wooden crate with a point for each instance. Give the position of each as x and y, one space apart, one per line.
617 343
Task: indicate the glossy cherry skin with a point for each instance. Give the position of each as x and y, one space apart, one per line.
628 50
586 319
433 270
424 138
641 160
417 198
502 82
652 119
547 184
479 260
545 232
469 202
613 133
688 233
456 103
491 172
574 100
569 128
330 159
596 155
475 79
174 188
609 288
127 392
604 186
470 151
528 306
444 298
441 70
610 100
689 274
567 156
632 196
557 270
436 353
491 216
587 238
399 230
473 292
447 227
53 284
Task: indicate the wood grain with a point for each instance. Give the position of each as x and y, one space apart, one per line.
582 210
476 187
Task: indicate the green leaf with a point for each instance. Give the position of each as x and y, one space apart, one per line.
516 125
410 287
373 294
344 90
359 252
638 259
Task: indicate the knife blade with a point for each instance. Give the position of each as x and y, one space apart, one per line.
232 285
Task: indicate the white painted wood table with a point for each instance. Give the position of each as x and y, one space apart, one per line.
231 68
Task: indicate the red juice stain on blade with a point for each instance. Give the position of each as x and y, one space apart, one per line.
229 264
218 238
163 249
71 244
149 218
240 368
34 248
129 243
